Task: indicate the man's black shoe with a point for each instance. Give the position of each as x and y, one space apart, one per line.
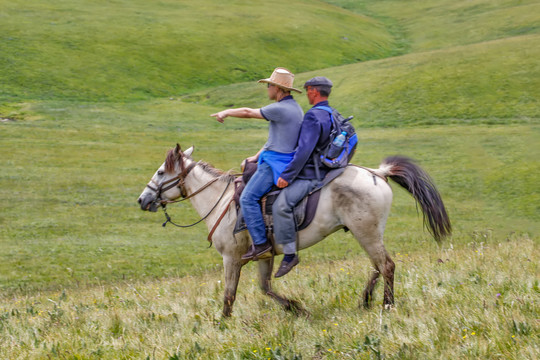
285 266
257 250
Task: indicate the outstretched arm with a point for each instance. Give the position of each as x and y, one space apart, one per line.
239 113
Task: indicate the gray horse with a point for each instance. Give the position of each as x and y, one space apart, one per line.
359 200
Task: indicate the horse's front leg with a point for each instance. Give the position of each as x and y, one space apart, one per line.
265 281
265 274
232 268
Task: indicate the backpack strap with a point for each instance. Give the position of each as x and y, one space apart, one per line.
327 108
316 161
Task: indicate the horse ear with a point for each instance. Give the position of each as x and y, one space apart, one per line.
177 150
189 151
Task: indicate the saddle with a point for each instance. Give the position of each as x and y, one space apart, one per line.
304 211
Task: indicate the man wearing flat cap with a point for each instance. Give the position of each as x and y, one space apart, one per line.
301 175
285 118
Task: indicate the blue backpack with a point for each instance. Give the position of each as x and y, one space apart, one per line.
333 156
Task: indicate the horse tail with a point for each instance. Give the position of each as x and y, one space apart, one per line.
416 181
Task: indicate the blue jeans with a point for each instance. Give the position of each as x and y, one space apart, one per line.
283 212
260 183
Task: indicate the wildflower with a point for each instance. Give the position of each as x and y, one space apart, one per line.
254 351
464 336
335 324
268 349
473 333
498 295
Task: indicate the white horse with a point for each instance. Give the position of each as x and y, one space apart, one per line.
359 200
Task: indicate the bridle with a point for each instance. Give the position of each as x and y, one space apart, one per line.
179 181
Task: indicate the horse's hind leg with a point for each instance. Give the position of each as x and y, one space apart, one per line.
265 280
388 274
367 295
383 264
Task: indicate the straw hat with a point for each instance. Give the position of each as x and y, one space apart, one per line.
282 78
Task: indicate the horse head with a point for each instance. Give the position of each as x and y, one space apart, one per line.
167 182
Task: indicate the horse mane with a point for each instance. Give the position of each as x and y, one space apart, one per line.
224 175
172 159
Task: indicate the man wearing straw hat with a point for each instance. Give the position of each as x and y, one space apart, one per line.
285 119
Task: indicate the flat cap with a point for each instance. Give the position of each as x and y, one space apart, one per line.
317 81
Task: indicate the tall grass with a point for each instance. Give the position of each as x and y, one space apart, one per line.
476 300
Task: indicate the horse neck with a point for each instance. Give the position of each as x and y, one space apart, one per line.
205 200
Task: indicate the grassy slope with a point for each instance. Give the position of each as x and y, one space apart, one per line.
437 24
85 164
491 82
124 50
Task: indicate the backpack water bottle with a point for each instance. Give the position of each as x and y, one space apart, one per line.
336 155
337 145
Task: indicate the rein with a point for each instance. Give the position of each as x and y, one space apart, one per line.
179 181
164 206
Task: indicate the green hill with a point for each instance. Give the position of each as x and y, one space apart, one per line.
436 24
490 82
96 92
125 50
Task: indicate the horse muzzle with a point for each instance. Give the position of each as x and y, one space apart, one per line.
149 203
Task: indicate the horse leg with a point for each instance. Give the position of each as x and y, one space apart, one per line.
265 274
367 295
232 268
265 281
385 267
383 264
388 274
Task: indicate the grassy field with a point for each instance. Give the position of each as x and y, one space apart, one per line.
465 301
93 94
